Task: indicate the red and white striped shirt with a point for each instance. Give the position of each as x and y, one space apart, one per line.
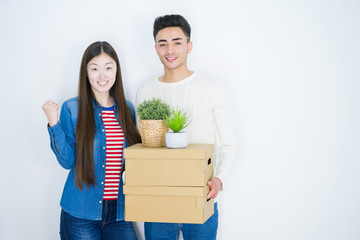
114 153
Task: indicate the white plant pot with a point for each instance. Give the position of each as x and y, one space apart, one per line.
176 140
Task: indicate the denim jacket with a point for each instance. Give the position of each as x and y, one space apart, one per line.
86 203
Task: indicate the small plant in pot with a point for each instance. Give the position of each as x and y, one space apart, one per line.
177 121
152 125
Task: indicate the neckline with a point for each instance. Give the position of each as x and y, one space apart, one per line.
181 82
108 108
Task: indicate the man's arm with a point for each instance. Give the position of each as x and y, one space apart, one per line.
226 139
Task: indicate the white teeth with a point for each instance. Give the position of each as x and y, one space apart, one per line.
102 82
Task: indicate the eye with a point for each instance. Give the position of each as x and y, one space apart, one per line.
162 45
178 43
108 68
94 69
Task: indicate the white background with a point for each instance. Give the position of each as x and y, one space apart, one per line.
292 69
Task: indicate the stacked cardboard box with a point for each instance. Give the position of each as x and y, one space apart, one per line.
168 185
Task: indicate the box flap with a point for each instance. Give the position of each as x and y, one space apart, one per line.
192 151
163 191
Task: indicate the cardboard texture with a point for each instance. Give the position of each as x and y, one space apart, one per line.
168 185
167 204
191 166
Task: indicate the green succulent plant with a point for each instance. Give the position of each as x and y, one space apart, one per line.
178 120
154 109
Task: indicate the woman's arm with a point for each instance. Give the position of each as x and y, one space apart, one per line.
62 133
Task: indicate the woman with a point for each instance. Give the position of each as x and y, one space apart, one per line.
89 139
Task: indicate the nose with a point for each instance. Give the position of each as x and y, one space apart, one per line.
170 49
101 74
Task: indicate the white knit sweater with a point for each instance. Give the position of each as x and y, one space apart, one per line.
211 115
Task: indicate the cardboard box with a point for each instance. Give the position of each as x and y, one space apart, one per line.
191 166
167 204
168 185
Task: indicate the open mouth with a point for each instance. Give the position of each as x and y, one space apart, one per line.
171 59
102 83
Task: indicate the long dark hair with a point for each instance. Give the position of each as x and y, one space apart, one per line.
85 127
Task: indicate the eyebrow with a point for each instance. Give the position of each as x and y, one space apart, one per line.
174 39
105 63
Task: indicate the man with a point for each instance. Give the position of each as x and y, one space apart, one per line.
212 120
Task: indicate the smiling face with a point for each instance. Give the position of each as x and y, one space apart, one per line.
101 72
172 47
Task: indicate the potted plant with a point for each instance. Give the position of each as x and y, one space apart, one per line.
177 121
152 125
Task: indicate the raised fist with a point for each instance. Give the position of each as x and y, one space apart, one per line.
51 110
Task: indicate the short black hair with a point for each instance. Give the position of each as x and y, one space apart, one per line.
173 20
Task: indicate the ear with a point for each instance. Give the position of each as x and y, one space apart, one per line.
156 49
190 45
